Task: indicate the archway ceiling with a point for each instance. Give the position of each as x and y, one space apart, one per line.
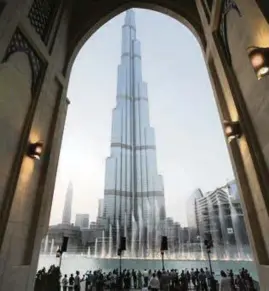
88 15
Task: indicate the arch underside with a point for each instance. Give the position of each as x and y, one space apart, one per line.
87 16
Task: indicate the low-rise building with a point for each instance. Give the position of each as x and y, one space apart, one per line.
57 232
82 220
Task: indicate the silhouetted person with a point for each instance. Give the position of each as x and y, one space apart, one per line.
202 280
146 277
134 278
127 281
154 283
165 281
71 282
140 283
225 282
77 282
64 282
193 277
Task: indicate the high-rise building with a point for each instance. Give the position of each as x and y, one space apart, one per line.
67 212
218 215
191 210
82 220
100 208
134 193
233 190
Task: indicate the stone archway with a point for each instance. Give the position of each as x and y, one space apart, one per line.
45 36
186 14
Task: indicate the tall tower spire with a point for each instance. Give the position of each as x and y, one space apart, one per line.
130 18
133 189
67 212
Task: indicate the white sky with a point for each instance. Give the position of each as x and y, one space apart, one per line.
191 150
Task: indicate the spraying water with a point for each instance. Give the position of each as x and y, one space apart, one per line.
96 248
110 243
46 244
52 246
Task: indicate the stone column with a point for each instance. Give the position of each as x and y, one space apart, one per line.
33 108
232 27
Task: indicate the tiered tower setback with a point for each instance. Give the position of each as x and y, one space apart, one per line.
133 188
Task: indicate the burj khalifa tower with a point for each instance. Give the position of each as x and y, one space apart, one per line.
134 204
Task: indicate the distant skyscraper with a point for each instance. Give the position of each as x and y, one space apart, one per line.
134 193
191 213
100 207
82 220
67 212
191 210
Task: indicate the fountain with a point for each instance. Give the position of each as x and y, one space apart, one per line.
51 247
143 231
110 242
157 237
103 249
149 228
133 240
89 252
117 234
96 248
46 244
238 223
126 253
202 250
140 245
212 213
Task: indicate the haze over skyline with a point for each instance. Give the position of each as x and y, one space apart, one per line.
191 150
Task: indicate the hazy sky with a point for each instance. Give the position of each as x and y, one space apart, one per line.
191 150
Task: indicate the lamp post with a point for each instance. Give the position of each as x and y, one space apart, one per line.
120 277
122 247
119 254
62 249
164 247
162 254
59 254
209 244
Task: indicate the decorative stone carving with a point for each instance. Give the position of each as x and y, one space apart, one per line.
227 6
41 16
19 43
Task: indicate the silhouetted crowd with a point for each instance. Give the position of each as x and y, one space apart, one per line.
48 280
167 280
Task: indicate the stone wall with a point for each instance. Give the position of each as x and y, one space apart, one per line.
33 92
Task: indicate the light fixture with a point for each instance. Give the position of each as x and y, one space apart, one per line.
259 58
35 150
232 129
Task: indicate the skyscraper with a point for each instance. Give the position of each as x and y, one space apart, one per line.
134 194
191 210
82 220
217 214
67 212
100 208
